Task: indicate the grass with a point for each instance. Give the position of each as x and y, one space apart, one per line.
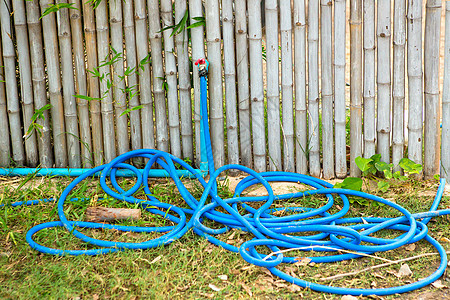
189 268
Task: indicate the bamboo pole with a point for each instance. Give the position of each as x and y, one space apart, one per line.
243 83
415 81
68 85
287 85
431 87
171 78
213 44
103 48
313 88
81 83
398 82
384 79
184 81
369 78
300 86
5 152
339 88
162 136
327 87
132 81
198 51
54 86
90 35
119 97
445 147
26 85
355 84
230 82
273 85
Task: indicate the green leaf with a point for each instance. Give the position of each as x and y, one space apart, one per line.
363 163
350 183
383 186
410 166
55 7
397 175
86 97
376 158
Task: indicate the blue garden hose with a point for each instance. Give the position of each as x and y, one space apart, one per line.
275 232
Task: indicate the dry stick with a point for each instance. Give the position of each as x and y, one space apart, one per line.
5 151
198 51
81 84
26 85
313 88
93 85
132 83
148 139
184 80
70 105
300 86
243 83
103 48
120 101
230 82
431 87
327 88
378 266
369 78
339 88
384 79
355 84
54 86
398 82
415 81
213 45
287 85
445 148
12 96
273 85
162 133
171 77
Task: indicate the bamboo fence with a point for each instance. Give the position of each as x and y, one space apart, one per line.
85 83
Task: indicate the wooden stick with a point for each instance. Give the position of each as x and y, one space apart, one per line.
445 148
5 151
243 83
108 214
300 86
273 84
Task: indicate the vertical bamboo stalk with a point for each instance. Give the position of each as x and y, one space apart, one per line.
415 81
120 101
198 51
445 147
230 82
131 66
313 88
300 86
184 80
287 85
339 88
171 78
5 152
369 78
273 85
384 79
81 84
54 86
431 87
213 45
101 21
355 84
162 136
26 85
243 83
398 84
70 108
327 87
90 36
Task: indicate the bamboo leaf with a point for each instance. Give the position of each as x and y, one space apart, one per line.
56 7
86 97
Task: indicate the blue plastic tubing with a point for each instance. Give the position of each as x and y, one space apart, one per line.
332 231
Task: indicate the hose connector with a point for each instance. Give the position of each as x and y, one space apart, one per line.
203 65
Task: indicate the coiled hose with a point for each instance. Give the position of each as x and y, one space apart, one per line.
275 232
